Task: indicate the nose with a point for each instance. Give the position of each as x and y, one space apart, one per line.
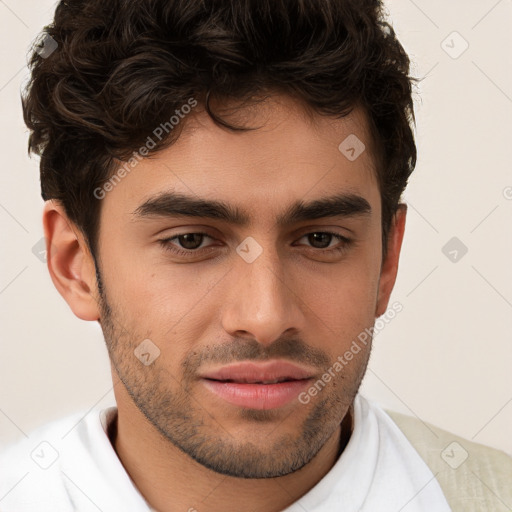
262 302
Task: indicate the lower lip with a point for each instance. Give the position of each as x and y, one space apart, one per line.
257 396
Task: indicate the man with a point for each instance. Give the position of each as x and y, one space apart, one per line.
222 183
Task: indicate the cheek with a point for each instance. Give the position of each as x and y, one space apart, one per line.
351 283
168 303
141 280
342 304
348 308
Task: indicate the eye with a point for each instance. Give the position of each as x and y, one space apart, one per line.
189 242
322 240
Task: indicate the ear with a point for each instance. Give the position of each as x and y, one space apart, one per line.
389 267
70 262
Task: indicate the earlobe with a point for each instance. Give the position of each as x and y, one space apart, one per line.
70 262
390 264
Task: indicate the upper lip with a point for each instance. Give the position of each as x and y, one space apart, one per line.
268 372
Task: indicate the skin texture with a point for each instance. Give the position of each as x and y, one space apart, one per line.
183 446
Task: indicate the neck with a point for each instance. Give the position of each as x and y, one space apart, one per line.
170 480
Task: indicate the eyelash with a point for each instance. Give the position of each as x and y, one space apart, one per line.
167 245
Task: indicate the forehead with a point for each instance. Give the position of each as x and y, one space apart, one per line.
290 155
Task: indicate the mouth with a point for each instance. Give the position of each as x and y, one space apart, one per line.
251 385
252 381
270 372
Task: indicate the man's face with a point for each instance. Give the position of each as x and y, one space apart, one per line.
260 291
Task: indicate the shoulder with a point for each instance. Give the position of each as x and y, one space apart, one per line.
474 477
31 474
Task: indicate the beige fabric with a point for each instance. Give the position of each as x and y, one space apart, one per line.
474 477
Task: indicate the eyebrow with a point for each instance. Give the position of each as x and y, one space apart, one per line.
175 204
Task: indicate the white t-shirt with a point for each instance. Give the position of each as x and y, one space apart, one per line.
70 466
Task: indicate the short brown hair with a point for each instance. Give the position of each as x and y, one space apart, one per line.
121 67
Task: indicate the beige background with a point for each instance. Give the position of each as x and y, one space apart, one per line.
446 357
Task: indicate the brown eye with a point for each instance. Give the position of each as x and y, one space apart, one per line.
190 240
185 244
322 239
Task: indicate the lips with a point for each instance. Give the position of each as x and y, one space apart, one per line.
262 386
259 373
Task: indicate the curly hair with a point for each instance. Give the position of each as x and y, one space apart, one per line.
121 67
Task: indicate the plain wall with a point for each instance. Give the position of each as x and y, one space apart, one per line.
446 357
